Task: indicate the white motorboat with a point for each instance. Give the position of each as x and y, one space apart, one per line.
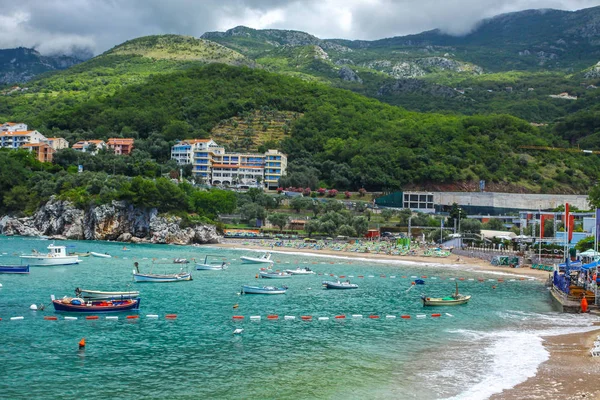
300 271
339 285
151 277
274 275
247 289
57 255
265 258
105 255
100 295
211 265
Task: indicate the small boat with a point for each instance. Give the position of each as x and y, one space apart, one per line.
452 300
14 269
57 255
419 282
176 277
265 258
300 271
339 285
274 275
105 255
76 304
100 295
247 289
211 266
181 261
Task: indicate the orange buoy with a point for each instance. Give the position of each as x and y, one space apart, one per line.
436 315
374 316
405 316
404 276
306 317
461 279
274 316
413 283
133 316
500 280
382 276
238 317
342 276
91 317
584 304
424 276
521 279
480 279
330 274
82 343
361 276
51 318
171 316
340 317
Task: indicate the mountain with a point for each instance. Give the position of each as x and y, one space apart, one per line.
22 64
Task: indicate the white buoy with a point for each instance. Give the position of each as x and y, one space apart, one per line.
323 318
0 285
238 331
16 318
152 316
450 315
289 317
421 316
390 316
356 315
70 318
112 317
33 307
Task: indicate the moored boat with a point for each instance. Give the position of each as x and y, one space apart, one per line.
76 304
452 300
339 285
105 255
265 258
247 289
151 277
209 265
14 269
101 295
274 275
300 271
57 255
181 261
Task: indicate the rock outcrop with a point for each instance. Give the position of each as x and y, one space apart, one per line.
416 86
349 75
116 221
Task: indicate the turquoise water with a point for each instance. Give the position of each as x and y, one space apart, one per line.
197 356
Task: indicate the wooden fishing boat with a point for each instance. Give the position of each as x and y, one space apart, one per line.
151 277
274 275
14 269
76 304
452 300
100 295
209 265
339 285
247 289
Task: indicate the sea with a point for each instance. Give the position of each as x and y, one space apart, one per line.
467 352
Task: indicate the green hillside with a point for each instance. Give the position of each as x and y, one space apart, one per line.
342 139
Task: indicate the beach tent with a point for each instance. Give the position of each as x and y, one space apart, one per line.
590 253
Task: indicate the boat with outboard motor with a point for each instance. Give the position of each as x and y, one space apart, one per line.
247 289
57 255
300 271
100 295
265 258
211 265
274 275
77 304
339 285
452 300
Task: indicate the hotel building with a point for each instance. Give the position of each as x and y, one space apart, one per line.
218 167
15 136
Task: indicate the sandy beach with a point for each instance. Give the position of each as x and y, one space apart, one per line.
569 373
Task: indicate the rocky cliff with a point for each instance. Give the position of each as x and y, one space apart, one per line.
117 221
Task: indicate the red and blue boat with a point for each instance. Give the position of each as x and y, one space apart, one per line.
76 304
14 269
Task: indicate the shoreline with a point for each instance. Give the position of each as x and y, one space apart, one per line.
568 373
466 263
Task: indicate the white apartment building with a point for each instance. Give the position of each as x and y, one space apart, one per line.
16 139
211 162
85 146
13 127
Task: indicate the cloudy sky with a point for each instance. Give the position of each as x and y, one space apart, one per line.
54 26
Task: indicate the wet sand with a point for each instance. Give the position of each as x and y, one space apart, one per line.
570 372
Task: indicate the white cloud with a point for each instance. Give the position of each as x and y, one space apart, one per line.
62 25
